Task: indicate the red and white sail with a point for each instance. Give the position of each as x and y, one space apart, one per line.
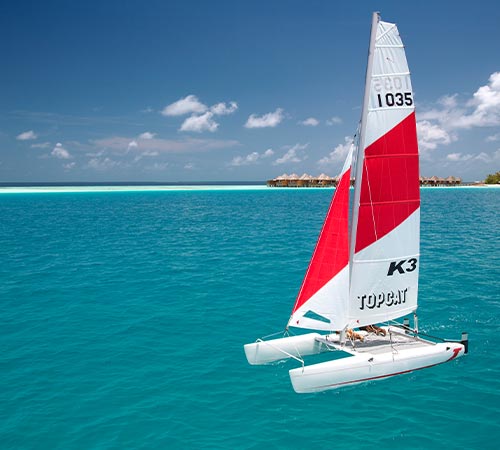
369 274
373 277
322 302
384 251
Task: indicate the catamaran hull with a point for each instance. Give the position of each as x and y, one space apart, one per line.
265 352
367 367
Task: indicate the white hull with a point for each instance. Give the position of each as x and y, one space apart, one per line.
264 352
365 366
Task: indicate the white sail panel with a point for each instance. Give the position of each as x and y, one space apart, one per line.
327 309
385 283
390 94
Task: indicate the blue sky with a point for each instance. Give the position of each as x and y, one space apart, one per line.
233 90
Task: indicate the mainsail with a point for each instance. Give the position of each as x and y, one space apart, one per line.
384 251
322 300
369 273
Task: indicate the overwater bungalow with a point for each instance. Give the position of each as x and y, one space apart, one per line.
438 181
323 180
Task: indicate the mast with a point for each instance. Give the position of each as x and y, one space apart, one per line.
361 143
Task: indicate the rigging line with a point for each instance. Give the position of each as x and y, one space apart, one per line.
417 334
299 355
282 351
394 349
273 334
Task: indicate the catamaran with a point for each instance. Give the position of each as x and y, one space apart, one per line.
363 274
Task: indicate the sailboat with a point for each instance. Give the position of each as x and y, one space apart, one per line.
363 274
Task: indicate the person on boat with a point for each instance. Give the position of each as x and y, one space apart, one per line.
374 329
354 336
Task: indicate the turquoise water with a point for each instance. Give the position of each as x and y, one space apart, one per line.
123 316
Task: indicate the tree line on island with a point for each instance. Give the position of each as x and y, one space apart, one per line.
493 178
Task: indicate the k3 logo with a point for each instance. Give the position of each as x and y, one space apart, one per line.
405 265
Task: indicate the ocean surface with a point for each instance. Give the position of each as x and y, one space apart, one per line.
123 316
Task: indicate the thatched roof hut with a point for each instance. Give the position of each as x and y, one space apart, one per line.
306 180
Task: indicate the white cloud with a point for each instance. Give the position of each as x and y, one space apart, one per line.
189 166
26 136
458 157
486 101
69 166
187 105
41 145
339 153
244 160
201 117
120 145
483 157
251 158
147 135
102 164
443 123
431 135
221 109
95 154
201 123
157 166
132 144
293 155
334 121
448 101
493 138
447 108
310 122
482 110
60 152
145 154
271 119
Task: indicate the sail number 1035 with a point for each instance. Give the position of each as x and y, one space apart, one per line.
397 99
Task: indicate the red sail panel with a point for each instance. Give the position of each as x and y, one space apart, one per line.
331 254
390 185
